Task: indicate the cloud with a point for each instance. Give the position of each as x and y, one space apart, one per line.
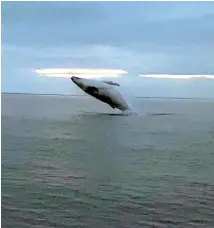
173 38
80 71
84 73
109 23
174 76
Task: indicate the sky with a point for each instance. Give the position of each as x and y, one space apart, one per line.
137 37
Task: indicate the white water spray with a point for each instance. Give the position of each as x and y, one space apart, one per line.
128 97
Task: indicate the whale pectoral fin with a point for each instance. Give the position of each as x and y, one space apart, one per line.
111 83
91 89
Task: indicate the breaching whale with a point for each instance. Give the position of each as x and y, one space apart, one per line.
103 91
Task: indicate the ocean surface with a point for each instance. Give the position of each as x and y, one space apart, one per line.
72 162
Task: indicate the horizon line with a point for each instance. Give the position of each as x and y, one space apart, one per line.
85 95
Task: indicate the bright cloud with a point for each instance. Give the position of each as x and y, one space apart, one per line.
80 75
85 73
177 76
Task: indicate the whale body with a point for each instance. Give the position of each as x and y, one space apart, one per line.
103 91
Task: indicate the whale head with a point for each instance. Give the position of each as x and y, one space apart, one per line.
79 82
75 79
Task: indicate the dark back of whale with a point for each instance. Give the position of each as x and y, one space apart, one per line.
93 91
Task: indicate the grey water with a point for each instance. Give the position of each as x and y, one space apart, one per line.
75 162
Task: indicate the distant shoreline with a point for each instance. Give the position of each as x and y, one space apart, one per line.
141 97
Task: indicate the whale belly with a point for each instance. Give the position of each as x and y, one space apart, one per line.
112 98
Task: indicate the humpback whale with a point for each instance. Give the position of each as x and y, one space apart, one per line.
103 91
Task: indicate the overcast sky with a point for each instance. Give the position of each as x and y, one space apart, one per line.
139 37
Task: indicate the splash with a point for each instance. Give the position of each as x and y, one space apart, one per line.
128 97
129 112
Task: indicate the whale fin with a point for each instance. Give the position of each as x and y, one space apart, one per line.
111 83
91 89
